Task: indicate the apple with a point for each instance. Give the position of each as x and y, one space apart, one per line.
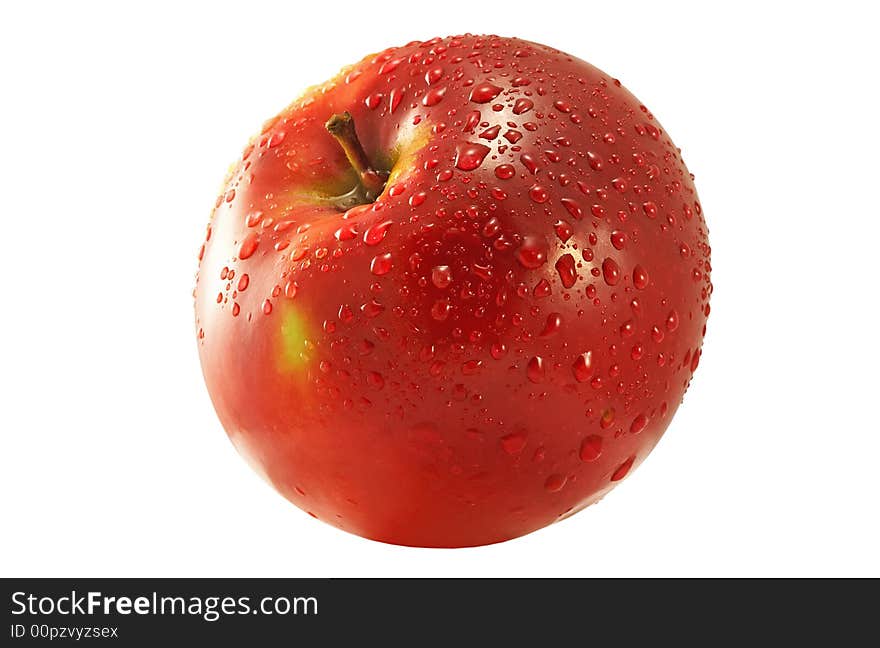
454 294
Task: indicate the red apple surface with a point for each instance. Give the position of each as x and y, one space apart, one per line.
454 294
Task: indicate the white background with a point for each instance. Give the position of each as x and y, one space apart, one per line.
116 128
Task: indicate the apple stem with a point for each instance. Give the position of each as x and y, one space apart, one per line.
341 127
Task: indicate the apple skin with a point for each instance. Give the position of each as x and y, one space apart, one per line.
496 341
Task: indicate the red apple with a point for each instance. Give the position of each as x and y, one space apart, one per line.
454 294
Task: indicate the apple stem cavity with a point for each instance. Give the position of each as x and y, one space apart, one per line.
372 180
